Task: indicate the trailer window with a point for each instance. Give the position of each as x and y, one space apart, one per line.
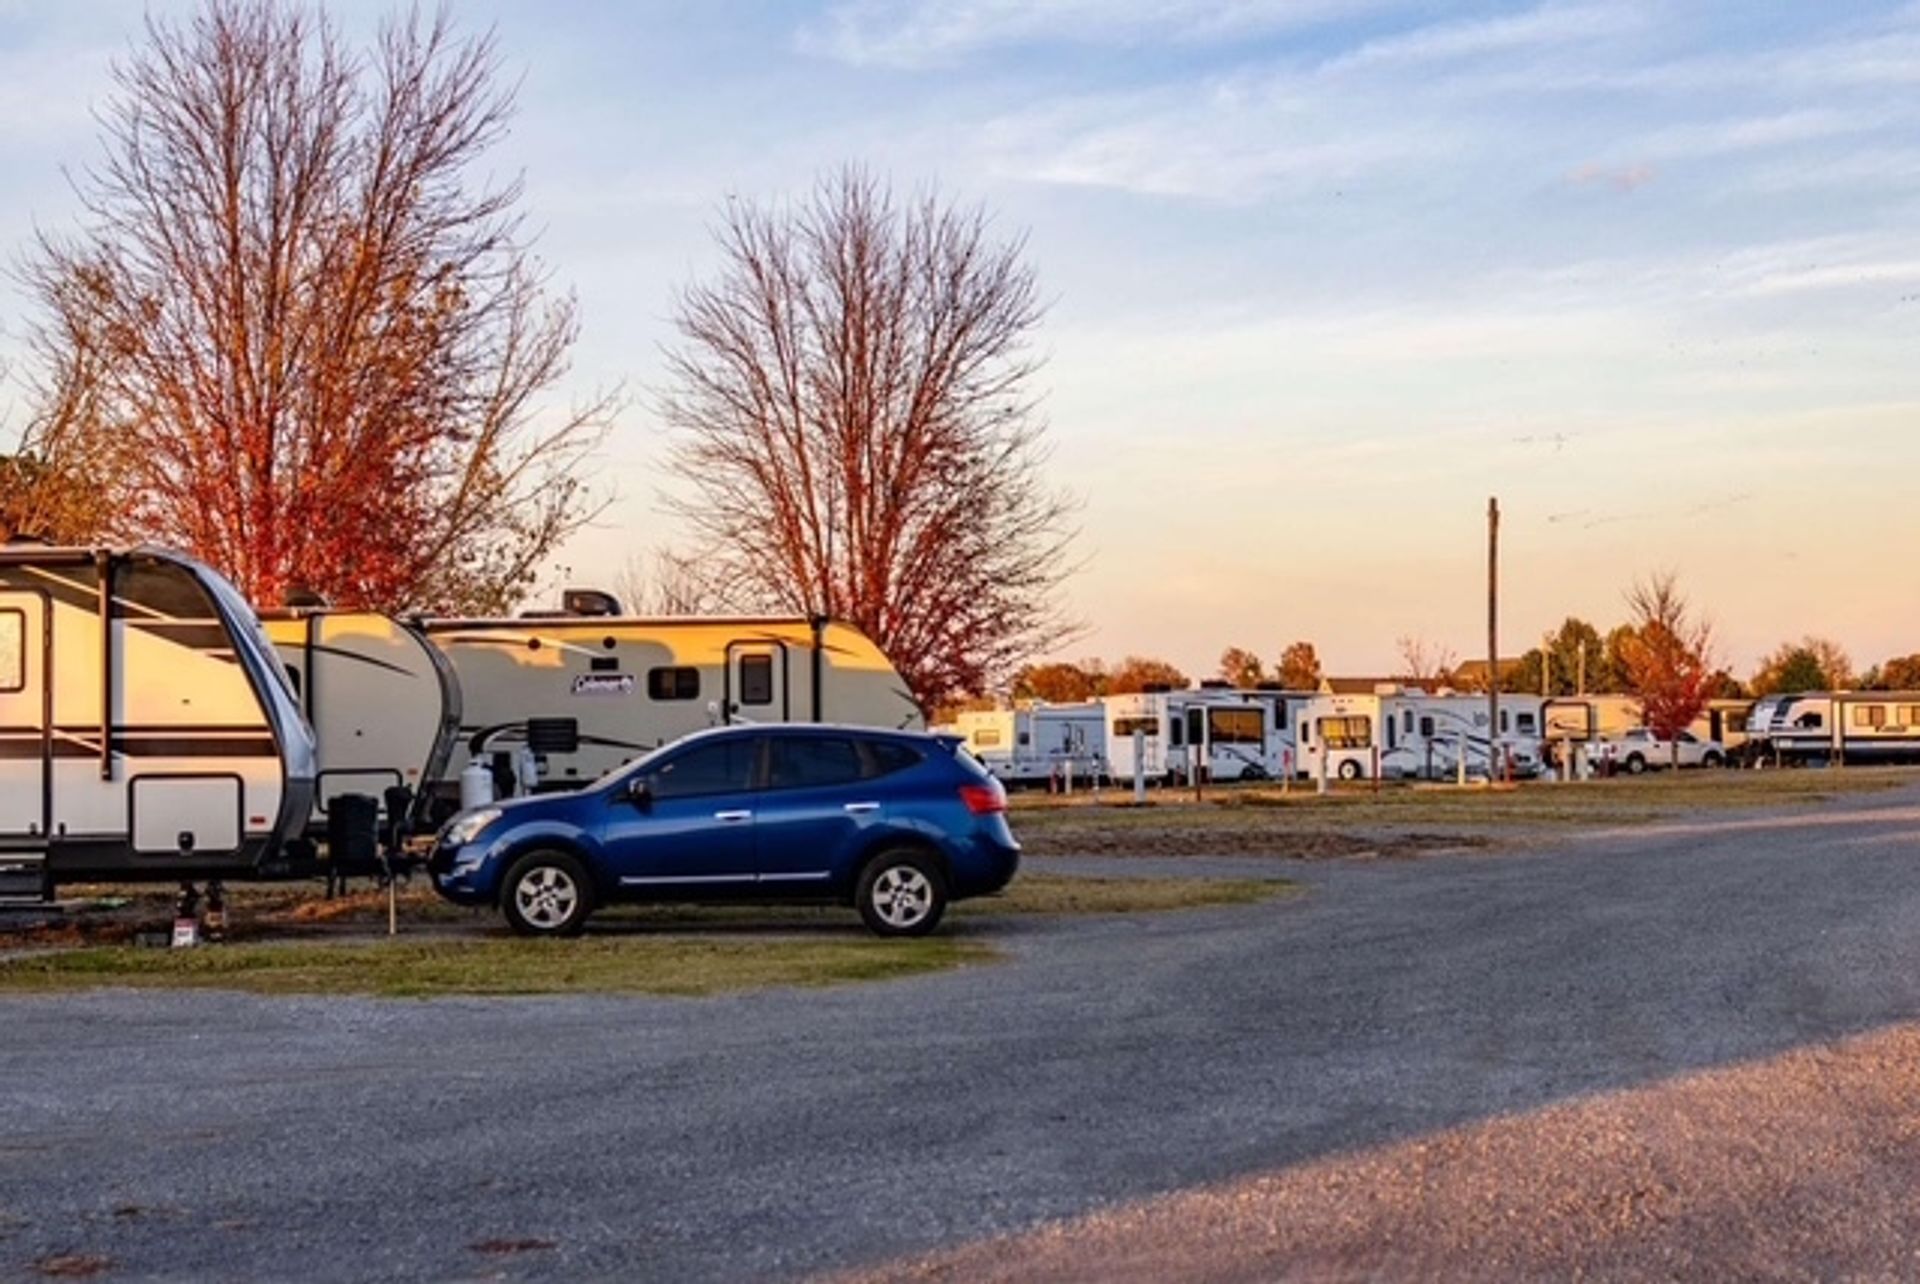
1526 723
1406 721
987 737
756 679
1870 715
1347 733
13 650
1426 728
1236 726
1910 715
678 683
1125 727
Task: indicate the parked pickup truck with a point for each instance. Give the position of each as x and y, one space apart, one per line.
1640 750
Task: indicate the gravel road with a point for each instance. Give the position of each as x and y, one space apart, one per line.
1391 1017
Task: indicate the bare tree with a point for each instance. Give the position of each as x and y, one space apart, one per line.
1425 663
857 432
317 343
667 583
1668 657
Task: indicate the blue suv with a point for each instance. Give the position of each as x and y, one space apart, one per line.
895 823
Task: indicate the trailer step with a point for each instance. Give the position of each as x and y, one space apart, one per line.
24 881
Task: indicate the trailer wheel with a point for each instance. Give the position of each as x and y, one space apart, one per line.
1352 770
546 893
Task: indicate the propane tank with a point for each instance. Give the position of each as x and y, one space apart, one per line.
476 786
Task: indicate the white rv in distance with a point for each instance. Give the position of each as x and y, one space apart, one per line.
589 689
382 700
1039 745
1857 727
1228 732
149 730
1407 733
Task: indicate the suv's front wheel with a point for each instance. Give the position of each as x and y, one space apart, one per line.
546 894
901 893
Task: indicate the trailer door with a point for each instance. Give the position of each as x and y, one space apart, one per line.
757 678
26 736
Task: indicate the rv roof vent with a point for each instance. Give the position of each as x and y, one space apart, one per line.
1216 684
1269 685
1155 688
584 601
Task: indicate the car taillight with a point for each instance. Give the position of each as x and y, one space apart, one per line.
984 800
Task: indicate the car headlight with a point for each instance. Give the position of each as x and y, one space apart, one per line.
466 827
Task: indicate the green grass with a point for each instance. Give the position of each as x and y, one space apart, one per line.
650 949
420 968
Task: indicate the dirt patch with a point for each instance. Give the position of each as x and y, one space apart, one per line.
1227 833
73 1266
511 1247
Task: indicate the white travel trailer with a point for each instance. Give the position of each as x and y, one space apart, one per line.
1407 733
149 733
1848 727
1040 744
1228 731
382 701
589 689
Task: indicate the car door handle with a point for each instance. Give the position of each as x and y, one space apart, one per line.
861 809
732 815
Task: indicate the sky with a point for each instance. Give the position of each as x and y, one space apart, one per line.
1324 276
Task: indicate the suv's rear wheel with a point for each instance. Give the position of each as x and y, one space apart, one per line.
546 894
901 893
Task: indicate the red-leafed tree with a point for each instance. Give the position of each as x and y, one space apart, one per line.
1242 667
1668 657
1138 672
856 432
305 319
1056 683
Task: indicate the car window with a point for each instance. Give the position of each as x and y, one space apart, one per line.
723 767
812 762
884 757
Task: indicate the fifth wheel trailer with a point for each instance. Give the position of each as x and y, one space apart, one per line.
382 700
147 730
587 690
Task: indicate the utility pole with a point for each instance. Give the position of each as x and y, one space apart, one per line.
1493 629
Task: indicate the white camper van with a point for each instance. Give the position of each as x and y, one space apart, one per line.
1409 733
1229 732
382 701
1040 744
149 732
581 692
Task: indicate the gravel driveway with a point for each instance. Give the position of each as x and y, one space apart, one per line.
1398 1004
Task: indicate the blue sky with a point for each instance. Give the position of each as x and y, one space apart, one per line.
1326 273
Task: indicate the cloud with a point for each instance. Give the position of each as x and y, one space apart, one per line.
921 33
1548 25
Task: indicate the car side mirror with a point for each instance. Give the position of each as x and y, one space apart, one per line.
640 793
